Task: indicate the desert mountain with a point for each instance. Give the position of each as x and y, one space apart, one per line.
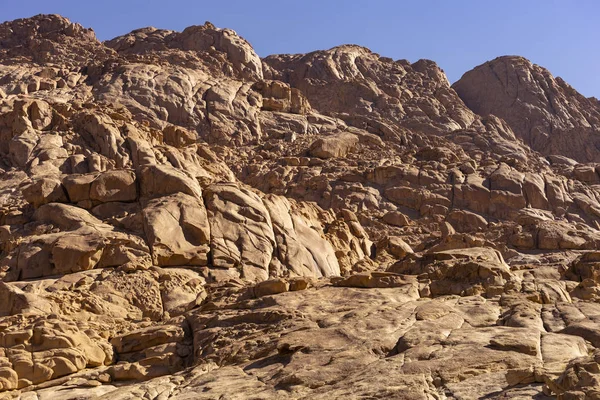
181 219
545 112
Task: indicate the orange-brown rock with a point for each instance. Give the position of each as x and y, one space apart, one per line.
182 219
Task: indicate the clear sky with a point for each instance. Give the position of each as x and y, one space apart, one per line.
561 35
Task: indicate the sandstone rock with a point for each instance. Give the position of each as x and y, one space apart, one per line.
278 96
398 247
396 218
160 180
65 216
378 280
114 186
145 338
177 229
466 221
180 218
472 270
73 253
78 186
543 99
247 247
178 137
43 191
339 145
300 248
270 287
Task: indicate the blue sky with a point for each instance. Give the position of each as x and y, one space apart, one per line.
561 35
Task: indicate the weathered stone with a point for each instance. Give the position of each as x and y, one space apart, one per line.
177 229
338 145
114 186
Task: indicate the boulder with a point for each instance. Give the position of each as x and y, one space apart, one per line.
396 218
334 146
301 250
178 137
460 271
466 221
160 180
241 231
45 190
398 247
177 230
117 185
271 287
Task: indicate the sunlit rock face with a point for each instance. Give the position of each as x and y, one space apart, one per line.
182 219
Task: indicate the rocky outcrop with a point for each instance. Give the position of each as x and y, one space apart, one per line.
544 111
180 218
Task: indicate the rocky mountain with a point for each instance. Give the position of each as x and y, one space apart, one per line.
181 219
545 112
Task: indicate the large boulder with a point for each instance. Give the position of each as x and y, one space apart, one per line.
160 180
241 231
477 270
45 190
334 146
302 251
117 185
177 230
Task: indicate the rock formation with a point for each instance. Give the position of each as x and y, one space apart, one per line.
182 219
545 112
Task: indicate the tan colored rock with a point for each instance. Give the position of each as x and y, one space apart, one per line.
117 185
301 250
534 190
466 271
145 338
21 147
544 101
74 253
379 280
241 232
103 132
160 180
218 236
65 216
43 191
338 145
178 137
396 218
16 301
398 247
587 266
40 114
278 96
466 221
270 287
78 186
181 290
177 229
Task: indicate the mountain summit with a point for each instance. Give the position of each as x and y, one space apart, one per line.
547 113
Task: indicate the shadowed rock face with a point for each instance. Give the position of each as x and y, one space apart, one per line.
181 219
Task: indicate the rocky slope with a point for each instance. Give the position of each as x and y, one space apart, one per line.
181 219
547 113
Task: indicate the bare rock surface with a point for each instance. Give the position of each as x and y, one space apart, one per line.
544 111
180 219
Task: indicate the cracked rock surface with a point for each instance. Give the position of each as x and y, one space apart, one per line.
181 219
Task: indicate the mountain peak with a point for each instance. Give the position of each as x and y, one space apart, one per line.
544 111
48 38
